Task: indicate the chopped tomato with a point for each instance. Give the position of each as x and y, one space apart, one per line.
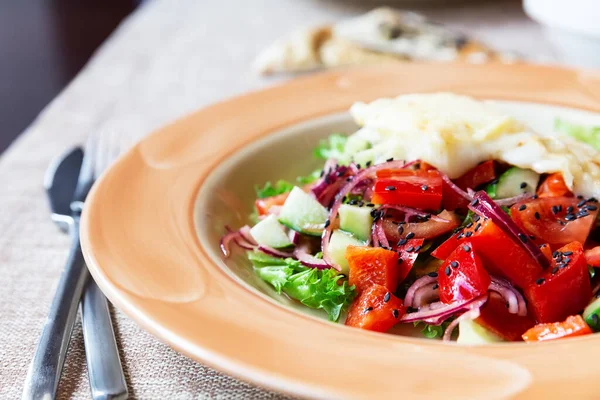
556 220
553 186
462 276
477 176
372 265
496 318
408 253
501 255
425 230
574 325
417 189
592 257
375 309
264 205
564 289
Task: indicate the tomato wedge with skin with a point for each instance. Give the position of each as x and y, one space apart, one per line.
501 255
462 275
477 176
592 257
375 309
372 265
573 326
423 230
556 220
410 188
564 289
494 316
554 186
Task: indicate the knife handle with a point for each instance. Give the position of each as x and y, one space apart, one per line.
104 365
46 367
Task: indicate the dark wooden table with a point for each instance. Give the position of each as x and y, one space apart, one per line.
43 44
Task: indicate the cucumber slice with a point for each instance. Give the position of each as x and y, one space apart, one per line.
356 220
269 232
354 144
303 213
471 333
337 247
514 182
591 315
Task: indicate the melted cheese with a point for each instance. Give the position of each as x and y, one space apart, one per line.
454 133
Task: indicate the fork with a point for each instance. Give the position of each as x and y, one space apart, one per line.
104 366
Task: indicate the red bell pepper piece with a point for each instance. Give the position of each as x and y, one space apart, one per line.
477 176
572 326
408 253
410 188
373 265
564 289
494 316
375 309
462 276
501 255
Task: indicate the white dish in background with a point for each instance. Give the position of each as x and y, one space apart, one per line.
572 26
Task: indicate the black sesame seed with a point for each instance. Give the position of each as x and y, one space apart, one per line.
531 237
591 208
580 197
540 281
353 202
470 224
390 159
390 188
592 200
368 164
410 235
344 199
370 205
418 248
555 210
476 218
400 229
570 217
523 185
400 260
434 287
523 207
395 313
466 248
543 245
495 181
535 196
349 179
368 309
554 270
402 242
537 215
522 237
569 209
582 213
567 253
460 235
358 166
424 187
327 223
447 271
410 249
432 274
555 254
475 202
477 227
454 264
469 234
581 203
386 298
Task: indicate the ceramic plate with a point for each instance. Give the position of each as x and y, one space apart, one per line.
151 229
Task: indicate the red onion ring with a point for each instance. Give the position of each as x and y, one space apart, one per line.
378 238
418 284
309 260
514 298
472 313
436 313
512 200
245 233
455 187
410 212
425 295
358 178
274 252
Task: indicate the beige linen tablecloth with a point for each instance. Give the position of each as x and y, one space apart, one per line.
169 58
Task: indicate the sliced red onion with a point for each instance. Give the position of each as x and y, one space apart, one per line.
436 313
294 236
333 179
411 212
512 200
244 244
455 188
426 295
485 207
367 173
274 252
378 238
418 284
310 261
472 313
226 242
245 233
514 299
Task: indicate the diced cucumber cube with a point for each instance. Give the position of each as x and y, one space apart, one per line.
591 315
337 247
303 213
269 232
356 220
516 181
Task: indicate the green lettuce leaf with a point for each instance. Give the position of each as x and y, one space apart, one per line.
316 174
269 190
333 147
432 331
583 133
314 288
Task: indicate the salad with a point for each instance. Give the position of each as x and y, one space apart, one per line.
443 214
